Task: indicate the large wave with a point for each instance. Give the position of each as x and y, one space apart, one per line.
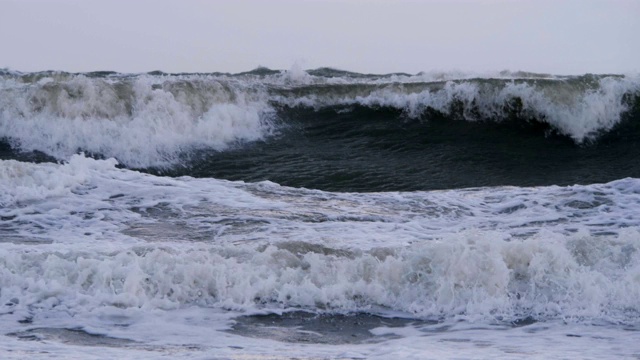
579 107
157 119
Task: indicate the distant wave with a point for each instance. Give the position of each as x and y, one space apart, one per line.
156 119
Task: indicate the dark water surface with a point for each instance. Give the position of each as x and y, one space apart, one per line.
367 150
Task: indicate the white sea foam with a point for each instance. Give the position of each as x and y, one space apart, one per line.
233 210
146 121
127 239
171 261
473 275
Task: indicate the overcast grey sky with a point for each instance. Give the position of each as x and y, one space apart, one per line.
562 37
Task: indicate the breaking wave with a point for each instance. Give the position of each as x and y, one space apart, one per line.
158 120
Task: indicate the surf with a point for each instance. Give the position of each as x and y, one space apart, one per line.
158 119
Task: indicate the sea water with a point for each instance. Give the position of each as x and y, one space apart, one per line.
319 214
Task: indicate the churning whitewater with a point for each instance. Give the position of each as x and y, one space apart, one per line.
319 214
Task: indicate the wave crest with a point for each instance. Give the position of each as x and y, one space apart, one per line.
581 107
142 121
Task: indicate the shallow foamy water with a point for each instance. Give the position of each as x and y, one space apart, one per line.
97 262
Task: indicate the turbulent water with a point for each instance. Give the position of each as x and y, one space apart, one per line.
319 214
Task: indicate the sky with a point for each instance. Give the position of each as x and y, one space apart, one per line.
374 36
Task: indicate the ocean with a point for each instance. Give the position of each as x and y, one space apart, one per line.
319 214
